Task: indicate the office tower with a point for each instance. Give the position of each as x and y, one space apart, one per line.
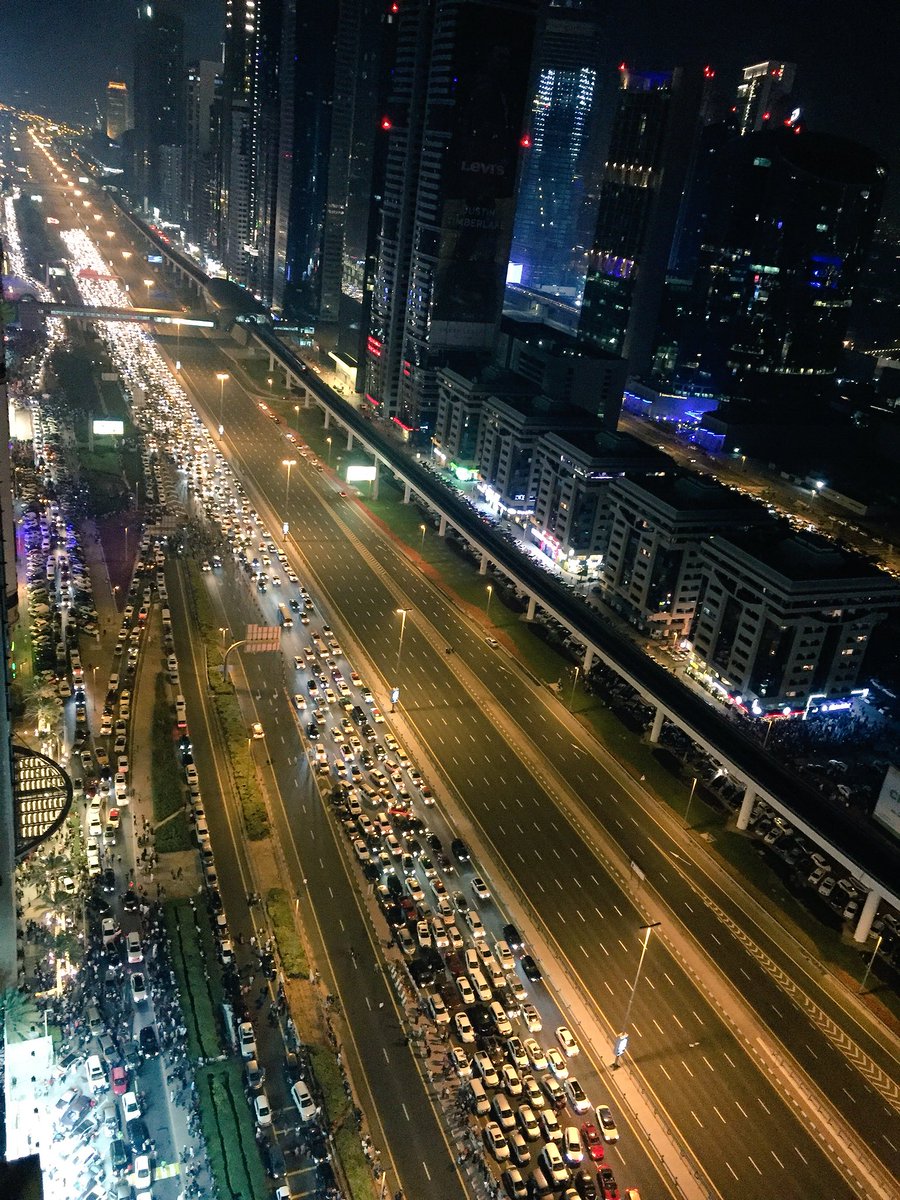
158 104
763 96
791 218
316 27
202 128
650 146
546 241
8 961
455 126
117 116
364 55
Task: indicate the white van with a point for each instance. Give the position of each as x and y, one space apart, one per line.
95 1073
180 711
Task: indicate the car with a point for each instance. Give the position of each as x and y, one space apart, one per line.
532 1018
513 1184
299 700
459 849
536 1055
306 1106
464 1030
131 1110
484 1067
475 924
139 1136
553 1091
585 1185
528 1122
119 1081
573 1151
551 1130
530 969
440 1014
495 1141
567 1042
512 937
608 1185
246 1040
262 1110
575 1095
593 1143
138 985
503 1112
109 929
517 1053
254 1074
148 1041
511 1080
502 1023
552 1161
143 1176
134 948
531 1090
557 1063
464 987
480 889
504 956
607 1124
257 731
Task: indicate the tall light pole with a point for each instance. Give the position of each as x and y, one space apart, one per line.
178 346
490 592
574 686
287 462
222 376
297 415
328 440
622 1039
401 613
148 284
870 964
690 798
422 546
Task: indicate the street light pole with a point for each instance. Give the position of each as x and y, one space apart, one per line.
328 440
870 964
287 462
422 546
401 613
622 1040
222 376
574 686
690 798
490 592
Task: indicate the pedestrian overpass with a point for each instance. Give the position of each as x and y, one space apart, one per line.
165 317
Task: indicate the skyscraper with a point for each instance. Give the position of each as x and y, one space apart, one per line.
158 104
455 124
792 214
202 133
551 189
653 133
762 95
117 115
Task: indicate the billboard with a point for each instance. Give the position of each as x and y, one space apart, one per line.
108 428
360 474
887 806
156 259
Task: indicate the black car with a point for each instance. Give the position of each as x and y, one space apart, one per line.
139 1136
585 1186
394 885
109 880
435 843
79 1106
312 731
118 1153
273 1159
531 969
130 901
460 850
149 1041
267 965
512 937
294 603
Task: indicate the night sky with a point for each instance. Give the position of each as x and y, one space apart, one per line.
64 51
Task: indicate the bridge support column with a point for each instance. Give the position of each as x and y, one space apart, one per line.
588 660
407 493
442 528
327 418
375 480
746 809
532 608
867 916
307 398
271 361
349 439
656 727
483 565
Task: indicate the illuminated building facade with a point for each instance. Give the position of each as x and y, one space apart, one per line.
117 114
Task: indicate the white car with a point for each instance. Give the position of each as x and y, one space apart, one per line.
262 1110
566 1041
532 1018
247 1040
465 990
536 1055
257 730
573 1151
138 987
575 1095
495 1141
143 1176
130 1107
464 1028
109 929
303 1100
134 947
606 1123
558 1064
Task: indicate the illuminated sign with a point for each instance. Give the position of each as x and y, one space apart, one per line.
887 806
361 474
108 428
156 259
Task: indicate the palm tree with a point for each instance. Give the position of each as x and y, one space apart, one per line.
15 1012
43 706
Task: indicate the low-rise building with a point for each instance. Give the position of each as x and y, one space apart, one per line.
784 618
652 573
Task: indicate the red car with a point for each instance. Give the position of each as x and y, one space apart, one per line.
608 1185
592 1141
119 1081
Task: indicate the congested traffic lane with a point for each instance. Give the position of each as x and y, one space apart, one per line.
332 913
492 778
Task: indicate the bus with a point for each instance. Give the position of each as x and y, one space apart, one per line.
285 618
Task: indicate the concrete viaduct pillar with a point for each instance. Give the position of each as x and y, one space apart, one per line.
656 727
532 608
407 493
375 480
588 660
327 418
442 528
483 564
746 809
867 916
349 439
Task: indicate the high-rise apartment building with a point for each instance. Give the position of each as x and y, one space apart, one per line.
653 133
455 124
158 90
118 118
202 156
546 242
763 96
364 56
791 217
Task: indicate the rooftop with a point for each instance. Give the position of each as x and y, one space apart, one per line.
804 557
696 494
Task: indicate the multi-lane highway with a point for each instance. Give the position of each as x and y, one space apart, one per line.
722 997
517 776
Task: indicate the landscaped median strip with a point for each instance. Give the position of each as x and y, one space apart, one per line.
200 988
291 951
229 1132
166 781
